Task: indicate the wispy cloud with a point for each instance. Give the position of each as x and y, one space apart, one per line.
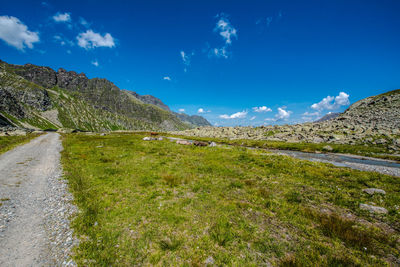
186 59
268 21
62 40
181 110
201 110
311 114
261 109
332 103
95 63
237 115
16 33
62 17
253 118
227 32
91 39
167 78
84 22
225 28
220 52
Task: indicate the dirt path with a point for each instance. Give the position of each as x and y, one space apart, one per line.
35 205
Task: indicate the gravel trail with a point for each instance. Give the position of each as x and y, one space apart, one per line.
35 206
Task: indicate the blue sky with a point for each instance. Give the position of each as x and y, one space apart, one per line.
234 62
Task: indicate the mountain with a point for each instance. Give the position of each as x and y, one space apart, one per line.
193 120
149 99
374 120
38 97
329 116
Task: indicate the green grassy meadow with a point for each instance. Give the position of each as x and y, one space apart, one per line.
375 151
164 204
9 142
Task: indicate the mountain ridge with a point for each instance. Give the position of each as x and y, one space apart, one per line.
100 94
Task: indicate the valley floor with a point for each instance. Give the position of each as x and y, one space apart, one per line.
161 203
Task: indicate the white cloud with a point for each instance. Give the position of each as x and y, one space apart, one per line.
342 99
201 110
331 103
253 118
311 114
59 17
95 63
91 39
282 114
16 34
262 109
225 28
181 110
167 78
237 115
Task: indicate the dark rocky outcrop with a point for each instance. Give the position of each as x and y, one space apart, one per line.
43 76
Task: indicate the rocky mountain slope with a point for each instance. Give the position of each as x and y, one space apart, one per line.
193 120
329 116
38 97
371 121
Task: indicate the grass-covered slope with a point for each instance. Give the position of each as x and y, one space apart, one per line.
27 104
39 97
160 203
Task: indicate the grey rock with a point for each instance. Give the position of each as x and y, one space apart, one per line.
327 148
183 142
371 191
209 261
373 209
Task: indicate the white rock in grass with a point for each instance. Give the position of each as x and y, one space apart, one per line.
371 191
373 209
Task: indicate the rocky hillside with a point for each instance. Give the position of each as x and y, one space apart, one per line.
39 97
193 120
329 116
371 121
